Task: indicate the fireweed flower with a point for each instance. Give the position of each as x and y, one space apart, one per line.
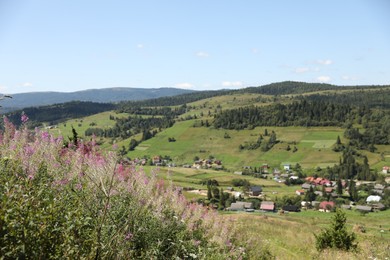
129 236
24 118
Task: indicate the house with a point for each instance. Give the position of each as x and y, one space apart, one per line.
326 206
300 192
264 168
315 203
267 206
294 178
255 190
236 207
318 193
305 204
373 198
363 208
286 166
306 186
240 205
344 206
291 208
378 206
284 175
379 187
156 159
328 189
386 169
237 194
237 173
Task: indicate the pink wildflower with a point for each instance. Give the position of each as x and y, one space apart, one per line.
78 186
129 236
45 136
24 118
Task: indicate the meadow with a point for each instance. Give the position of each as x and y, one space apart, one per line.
291 236
313 144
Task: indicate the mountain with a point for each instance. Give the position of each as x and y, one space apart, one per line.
34 99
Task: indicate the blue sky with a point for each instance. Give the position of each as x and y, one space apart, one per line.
69 45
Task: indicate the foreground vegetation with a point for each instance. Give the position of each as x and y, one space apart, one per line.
69 200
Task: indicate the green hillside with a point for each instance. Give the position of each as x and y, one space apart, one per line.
313 144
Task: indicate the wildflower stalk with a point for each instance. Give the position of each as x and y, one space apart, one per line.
105 210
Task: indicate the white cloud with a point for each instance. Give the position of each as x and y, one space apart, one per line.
323 79
237 84
184 85
254 50
202 54
140 46
324 62
301 70
27 84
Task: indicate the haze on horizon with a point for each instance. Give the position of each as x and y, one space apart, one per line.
71 45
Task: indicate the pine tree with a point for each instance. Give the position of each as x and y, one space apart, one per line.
353 194
339 187
336 236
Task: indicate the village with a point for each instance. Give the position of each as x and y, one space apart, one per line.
312 192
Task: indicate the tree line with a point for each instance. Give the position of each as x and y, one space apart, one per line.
298 113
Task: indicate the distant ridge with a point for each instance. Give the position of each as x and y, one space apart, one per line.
296 87
106 95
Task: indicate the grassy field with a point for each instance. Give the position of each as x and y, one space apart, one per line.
313 144
291 236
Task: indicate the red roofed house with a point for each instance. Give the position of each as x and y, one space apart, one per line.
156 159
385 169
300 192
328 189
326 206
267 205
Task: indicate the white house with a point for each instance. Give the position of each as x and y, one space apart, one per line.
373 198
286 166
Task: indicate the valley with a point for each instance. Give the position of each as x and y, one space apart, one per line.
191 152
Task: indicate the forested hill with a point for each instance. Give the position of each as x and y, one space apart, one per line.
59 112
172 100
35 99
293 87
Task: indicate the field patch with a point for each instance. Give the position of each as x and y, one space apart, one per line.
142 147
320 143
